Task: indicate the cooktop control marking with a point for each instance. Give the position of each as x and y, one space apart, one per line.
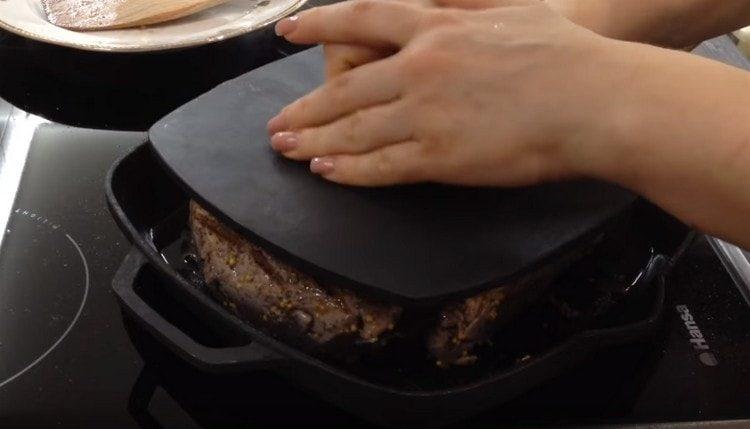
55 226
37 218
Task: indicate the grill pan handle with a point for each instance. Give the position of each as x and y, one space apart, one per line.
231 359
656 266
652 276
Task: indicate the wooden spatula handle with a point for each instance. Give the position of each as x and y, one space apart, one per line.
114 14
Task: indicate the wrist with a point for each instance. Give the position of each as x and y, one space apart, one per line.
603 136
679 138
592 14
624 20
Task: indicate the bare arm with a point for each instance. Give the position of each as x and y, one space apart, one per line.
669 23
669 125
679 135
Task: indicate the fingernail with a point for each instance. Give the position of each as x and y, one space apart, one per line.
276 124
284 141
286 25
322 166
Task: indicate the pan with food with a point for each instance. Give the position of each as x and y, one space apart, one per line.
259 288
562 324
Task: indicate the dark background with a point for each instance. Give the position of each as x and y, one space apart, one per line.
123 91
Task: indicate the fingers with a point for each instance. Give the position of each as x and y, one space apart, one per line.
481 4
396 164
362 131
371 84
341 58
363 22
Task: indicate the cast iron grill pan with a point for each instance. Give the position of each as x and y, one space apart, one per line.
147 204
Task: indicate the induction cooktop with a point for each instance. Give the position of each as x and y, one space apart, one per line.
68 358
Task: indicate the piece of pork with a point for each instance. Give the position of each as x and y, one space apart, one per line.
254 285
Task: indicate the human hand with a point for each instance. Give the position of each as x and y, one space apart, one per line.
340 58
505 97
669 23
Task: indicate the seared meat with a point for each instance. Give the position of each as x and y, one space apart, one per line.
465 325
255 286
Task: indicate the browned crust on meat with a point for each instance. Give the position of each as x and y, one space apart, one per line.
256 286
465 325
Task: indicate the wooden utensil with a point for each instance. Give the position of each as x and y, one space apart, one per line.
113 14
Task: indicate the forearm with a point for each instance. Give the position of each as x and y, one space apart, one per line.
669 23
678 133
